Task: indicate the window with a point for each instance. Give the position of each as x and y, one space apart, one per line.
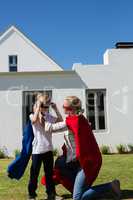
28 102
13 61
96 100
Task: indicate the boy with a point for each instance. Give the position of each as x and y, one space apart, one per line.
42 146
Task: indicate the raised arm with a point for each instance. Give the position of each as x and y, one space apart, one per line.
58 114
35 115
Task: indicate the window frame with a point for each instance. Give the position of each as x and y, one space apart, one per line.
96 115
25 116
13 65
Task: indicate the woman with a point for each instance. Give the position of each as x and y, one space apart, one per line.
85 154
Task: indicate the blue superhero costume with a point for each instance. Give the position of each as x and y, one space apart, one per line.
17 167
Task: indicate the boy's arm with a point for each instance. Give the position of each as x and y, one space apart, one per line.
34 116
58 114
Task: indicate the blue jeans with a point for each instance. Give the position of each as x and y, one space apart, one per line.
83 192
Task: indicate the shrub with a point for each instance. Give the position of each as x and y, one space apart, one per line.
121 148
55 152
16 152
130 147
105 149
2 154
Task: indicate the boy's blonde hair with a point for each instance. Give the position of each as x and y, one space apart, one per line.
75 103
43 98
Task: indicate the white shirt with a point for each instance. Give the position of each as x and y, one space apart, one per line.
70 146
42 141
68 138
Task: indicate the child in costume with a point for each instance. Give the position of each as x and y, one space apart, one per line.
42 146
87 160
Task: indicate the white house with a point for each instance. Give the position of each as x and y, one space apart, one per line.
105 90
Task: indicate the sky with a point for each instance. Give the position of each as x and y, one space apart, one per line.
71 31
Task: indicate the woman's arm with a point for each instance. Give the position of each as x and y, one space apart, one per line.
56 127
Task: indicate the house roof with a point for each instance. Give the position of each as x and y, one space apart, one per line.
63 72
12 29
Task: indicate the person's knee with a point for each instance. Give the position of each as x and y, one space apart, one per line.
77 196
90 194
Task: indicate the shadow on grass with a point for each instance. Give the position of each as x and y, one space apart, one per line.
67 196
64 196
125 194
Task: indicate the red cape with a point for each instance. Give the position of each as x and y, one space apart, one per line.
87 150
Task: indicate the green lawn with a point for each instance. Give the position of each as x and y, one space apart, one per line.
114 166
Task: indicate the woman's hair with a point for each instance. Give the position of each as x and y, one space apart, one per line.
74 103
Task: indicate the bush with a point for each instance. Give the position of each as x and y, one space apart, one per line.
121 149
55 152
2 154
16 152
130 147
105 149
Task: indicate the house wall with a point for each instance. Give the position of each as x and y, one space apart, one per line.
10 120
119 57
12 86
117 80
29 57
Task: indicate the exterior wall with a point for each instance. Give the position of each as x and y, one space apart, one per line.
12 86
30 58
117 80
10 120
118 57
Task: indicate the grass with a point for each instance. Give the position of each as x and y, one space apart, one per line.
114 166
